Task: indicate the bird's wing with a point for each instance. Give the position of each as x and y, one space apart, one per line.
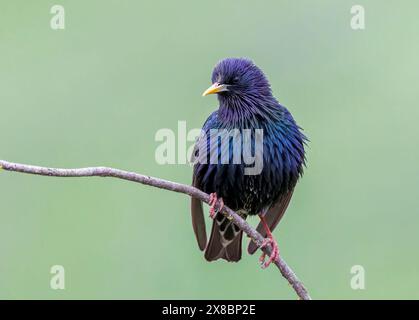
197 212
272 216
198 221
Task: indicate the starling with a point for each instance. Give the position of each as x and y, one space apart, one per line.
245 103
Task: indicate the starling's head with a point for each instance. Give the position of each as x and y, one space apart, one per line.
238 77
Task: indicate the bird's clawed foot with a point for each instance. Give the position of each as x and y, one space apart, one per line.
213 203
269 240
274 254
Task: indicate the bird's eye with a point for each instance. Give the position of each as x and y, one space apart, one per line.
235 80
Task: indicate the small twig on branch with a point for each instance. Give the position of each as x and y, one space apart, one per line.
285 270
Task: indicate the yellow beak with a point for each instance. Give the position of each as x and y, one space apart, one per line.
215 88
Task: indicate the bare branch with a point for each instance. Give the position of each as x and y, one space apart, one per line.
285 270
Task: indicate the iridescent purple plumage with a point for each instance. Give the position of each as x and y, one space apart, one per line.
247 103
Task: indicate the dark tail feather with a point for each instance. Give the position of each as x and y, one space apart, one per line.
234 250
225 241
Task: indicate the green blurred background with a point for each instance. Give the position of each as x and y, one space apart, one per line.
97 92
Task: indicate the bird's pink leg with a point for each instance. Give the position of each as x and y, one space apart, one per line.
268 241
213 203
